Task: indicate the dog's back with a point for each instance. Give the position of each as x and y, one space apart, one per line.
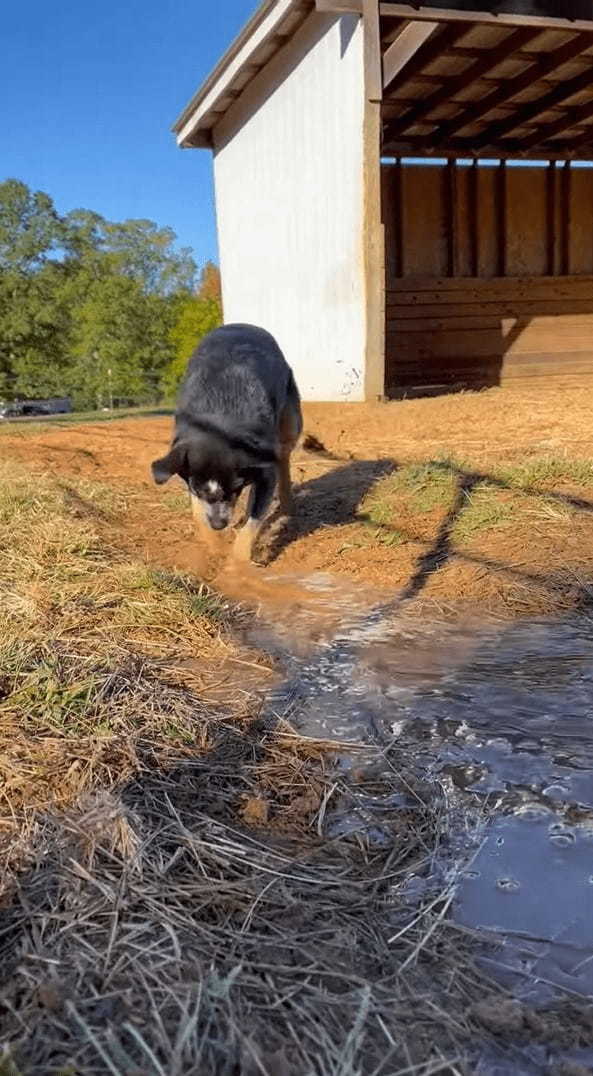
237 379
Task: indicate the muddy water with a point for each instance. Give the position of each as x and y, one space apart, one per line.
502 717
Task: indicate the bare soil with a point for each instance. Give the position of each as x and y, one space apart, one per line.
171 903
485 498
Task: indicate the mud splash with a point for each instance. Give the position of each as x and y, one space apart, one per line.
501 716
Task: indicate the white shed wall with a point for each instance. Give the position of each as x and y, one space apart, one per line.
289 199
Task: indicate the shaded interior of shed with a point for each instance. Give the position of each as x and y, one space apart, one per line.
489 256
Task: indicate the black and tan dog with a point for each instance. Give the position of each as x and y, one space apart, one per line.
237 421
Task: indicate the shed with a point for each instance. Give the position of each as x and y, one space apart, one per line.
403 192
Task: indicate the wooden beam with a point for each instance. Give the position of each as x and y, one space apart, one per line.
373 228
572 118
431 14
339 7
372 51
563 91
489 59
410 39
585 139
433 50
541 64
421 147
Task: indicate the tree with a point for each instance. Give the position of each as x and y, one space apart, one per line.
195 318
93 307
35 323
120 343
30 228
137 249
209 286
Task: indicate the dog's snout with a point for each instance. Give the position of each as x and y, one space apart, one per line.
218 523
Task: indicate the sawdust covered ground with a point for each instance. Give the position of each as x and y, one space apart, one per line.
484 498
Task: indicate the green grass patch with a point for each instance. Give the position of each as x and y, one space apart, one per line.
35 425
483 500
426 486
485 508
423 487
545 472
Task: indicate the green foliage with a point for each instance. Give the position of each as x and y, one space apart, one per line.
93 308
30 228
195 318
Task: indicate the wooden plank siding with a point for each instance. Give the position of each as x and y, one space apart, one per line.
470 299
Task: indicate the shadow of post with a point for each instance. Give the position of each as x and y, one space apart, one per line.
332 500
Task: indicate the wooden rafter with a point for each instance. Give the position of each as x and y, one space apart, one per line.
585 139
436 46
407 43
484 63
562 92
409 11
541 64
572 118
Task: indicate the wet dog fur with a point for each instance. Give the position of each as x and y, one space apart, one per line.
237 421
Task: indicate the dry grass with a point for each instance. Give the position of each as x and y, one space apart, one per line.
170 905
171 902
91 644
160 936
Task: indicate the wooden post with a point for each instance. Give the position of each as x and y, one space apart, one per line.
451 217
501 218
566 219
398 214
551 219
374 233
474 218
373 68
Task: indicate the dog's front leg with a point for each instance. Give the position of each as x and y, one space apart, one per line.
260 499
205 534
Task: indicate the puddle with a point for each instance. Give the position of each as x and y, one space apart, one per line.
532 881
502 717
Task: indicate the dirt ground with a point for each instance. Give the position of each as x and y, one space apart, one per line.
171 902
484 498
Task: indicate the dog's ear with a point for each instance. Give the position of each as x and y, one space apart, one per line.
175 462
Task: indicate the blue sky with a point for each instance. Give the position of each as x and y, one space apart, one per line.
88 93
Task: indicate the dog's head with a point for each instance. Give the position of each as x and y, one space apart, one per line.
214 474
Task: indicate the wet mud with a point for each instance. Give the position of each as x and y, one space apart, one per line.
501 717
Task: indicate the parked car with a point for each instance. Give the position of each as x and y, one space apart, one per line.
56 405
